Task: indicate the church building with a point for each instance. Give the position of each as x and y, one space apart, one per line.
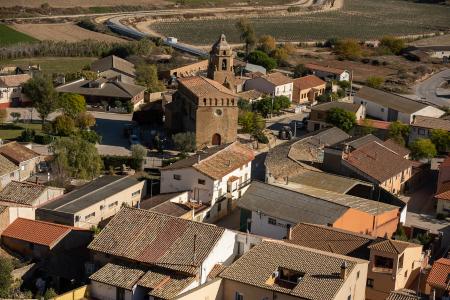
207 106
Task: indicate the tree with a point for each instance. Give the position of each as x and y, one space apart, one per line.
138 153
281 102
50 294
247 34
251 122
441 139
289 47
268 105
76 158
300 70
43 95
341 118
375 82
348 49
147 75
393 44
63 125
72 104
15 116
6 279
3 115
280 54
184 141
267 43
260 58
244 105
423 148
398 132
85 120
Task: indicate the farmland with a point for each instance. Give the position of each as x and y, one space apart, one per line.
361 19
80 3
9 36
68 32
50 65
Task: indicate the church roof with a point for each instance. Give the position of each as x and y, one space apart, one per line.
203 87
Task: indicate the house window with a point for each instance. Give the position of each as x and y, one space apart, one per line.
422 131
406 273
138 192
382 109
102 207
176 177
370 282
357 275
113 204
77 218
201 181
238 296
383 262
219 206
89 216
272 221
400 261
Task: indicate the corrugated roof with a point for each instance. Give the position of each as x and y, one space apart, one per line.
288 205
396 102
158 240
17 153
256 267
90 193
377 161
36 232
439 276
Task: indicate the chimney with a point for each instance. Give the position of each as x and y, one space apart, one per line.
288 232
344 270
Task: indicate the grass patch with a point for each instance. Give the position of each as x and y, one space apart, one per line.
50 65
9 36
360 19
10 131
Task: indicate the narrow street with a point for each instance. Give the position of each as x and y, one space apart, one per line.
429 90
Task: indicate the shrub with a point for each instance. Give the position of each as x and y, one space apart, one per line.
184 141
27 135
90 136
374 82
260 58
394 45
43 139
261 137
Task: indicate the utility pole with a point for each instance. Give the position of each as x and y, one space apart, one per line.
351 86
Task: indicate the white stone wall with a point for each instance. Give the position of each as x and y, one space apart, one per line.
260 226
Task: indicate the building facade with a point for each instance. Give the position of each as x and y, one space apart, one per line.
11 91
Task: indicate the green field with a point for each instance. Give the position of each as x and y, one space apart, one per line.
361 19
50 65
12 131
9 36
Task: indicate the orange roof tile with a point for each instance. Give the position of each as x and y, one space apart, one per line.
17 153
37 232
14 80
203 87
277 78
444 191
307 82
440 274
374 123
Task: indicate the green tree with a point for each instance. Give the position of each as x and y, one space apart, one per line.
43 95
184 141
348 49
398 132
247 33
251 122
63 125
375 82
244 105
441 139
280 54
3 115
393 44
76 158
72 104
267 43
6 279
15 116
138 153
262 59
341 118
281 102
85 120
300 70
147 75
423 148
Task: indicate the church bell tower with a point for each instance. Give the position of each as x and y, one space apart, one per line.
220 67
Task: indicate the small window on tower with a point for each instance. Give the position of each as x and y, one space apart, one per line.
224 64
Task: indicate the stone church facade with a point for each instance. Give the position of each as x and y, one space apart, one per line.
207 106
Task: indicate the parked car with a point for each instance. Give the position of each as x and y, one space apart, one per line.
43 167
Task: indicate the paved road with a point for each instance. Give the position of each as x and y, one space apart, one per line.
429 89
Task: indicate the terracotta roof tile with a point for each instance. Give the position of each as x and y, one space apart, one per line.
37 232
257 266
277 78
392 246
431 123
215 271
403 294
17 153
118 275
203 87
7 166
396 147
444 191
14 80
439 276
157 239
21 192
225 161
377 161
308 82
374 123
324 68
165 285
